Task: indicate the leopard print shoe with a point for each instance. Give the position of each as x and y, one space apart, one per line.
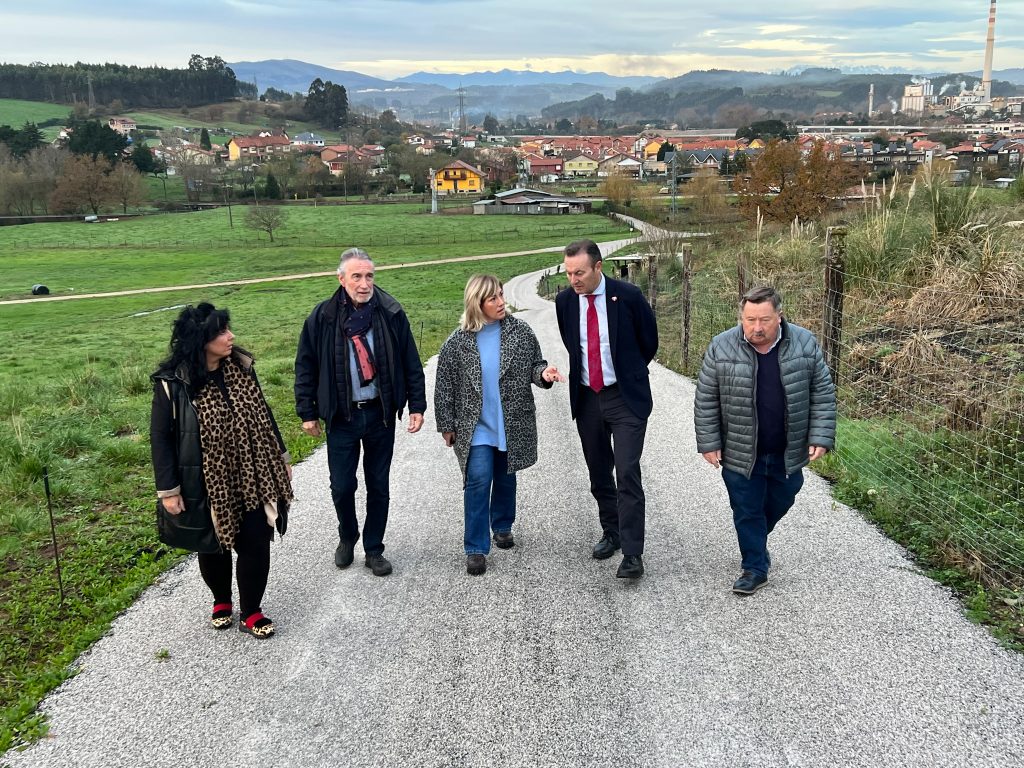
257 625
221 618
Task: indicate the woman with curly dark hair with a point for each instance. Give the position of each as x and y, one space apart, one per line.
223 476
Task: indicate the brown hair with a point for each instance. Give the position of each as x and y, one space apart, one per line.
588 247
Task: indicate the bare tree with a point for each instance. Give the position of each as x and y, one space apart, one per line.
84 185
192 165
127 185
266 218
44 165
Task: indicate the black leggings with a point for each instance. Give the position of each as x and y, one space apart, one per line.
253 547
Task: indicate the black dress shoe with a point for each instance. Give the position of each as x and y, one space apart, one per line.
606 547
504 540
749 582
631 567
475 564
343 555
379 564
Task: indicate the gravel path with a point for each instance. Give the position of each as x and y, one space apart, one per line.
850 657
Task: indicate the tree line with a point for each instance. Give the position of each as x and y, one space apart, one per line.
202 81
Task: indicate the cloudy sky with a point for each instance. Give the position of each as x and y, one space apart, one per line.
390 38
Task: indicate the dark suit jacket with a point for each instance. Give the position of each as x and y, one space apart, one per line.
633 334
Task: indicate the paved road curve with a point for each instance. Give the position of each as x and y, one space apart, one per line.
850 657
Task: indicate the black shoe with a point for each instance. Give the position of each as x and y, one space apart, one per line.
606 547
476 564
380 565
504 540
631 567
343 555
749 582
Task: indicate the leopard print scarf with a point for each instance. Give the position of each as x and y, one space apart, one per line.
242 462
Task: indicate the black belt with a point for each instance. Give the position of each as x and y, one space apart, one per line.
361 404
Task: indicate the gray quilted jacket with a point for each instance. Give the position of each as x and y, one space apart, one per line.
458 391
725 413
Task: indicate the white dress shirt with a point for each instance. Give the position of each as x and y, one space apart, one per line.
601 305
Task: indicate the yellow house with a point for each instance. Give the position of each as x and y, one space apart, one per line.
459 178
651 149
580 165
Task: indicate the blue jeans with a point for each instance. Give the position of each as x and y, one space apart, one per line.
366 430
489 497
758 504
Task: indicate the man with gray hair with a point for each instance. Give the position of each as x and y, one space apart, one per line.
356 369
765 408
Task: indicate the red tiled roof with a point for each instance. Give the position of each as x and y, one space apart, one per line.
244 142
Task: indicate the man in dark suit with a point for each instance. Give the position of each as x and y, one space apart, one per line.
611 335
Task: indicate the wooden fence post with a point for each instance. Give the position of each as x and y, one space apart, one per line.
687 257
652 282
835 275
742 272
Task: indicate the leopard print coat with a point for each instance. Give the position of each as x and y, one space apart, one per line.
458 391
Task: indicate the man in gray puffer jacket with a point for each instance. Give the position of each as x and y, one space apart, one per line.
765 408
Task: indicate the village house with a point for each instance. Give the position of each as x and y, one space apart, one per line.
257 147
619 163
579 164
308 139
457 178
122 125
543 168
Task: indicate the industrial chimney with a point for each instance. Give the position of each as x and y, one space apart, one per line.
990 44
871 100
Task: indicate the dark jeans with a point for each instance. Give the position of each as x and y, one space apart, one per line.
252 543
621 505
758 504
344 439
489 497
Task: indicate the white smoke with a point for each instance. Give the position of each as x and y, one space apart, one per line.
945 87
895 106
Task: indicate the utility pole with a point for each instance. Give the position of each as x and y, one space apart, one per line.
675 207
433 191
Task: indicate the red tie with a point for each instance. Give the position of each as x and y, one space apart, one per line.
594 346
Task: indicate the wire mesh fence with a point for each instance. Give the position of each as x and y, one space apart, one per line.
930 385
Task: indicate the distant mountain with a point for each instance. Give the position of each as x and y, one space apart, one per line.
290 75
435 101
1015 76
508 77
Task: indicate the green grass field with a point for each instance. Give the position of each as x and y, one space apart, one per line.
16 112
75 395
166 119
200 247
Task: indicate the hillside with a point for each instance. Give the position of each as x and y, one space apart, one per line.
509 77
723 97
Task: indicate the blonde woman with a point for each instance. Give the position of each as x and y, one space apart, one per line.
485 411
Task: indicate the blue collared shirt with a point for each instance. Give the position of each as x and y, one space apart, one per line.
601 305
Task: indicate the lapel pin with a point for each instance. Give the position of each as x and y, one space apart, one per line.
615 298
